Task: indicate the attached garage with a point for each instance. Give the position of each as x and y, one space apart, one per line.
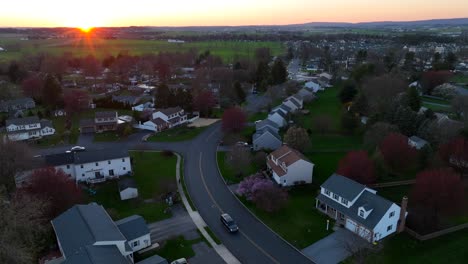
358 229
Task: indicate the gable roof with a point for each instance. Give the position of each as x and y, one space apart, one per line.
133 227
83 225
97 255
106 114
279 112
266 130
343 186
46 123
286 155
266 123
294 101
18 101
85 156
126 182
169 111
22 121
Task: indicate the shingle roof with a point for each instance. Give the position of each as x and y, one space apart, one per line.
83 225
59 159
133 227
106 114
287 155
87 122
266 130
279 112
266 123
85 156
170 111
126 182
343 186
23 121
97 255
294 101
46 123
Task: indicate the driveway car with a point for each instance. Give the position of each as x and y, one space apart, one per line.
229 223
179 261
77 149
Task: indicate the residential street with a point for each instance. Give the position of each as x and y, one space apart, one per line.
255 242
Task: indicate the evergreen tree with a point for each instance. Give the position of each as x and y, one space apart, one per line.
239 92
348 92
361 105
52 91
262 76
162 96
279 73
413 99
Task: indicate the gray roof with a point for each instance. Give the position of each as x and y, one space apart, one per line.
266 123
86 122
343 186
266 130
155 259
46 123
18 101
294 101
126 182
23 121
59 159
85 156
170 111
279 112
297 97
97 255
367 199
83 225
106 114
133 227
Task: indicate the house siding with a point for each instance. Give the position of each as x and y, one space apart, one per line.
89 169
300 170
380 230
143 242
266 141
277 119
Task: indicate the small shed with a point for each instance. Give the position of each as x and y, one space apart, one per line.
417 142
127 188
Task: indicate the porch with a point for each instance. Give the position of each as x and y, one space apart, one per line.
339 217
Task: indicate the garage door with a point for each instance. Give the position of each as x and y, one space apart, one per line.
360 230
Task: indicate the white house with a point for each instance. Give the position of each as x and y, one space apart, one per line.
28 128
289 167
90 166
294 102
87 234
127 189
417 142
167 118
359 209
313 86
278 117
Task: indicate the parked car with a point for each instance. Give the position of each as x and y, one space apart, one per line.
77 149
179 261
242 144
229 223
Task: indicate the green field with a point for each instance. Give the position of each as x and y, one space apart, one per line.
227 50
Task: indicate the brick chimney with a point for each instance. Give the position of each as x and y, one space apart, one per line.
402 220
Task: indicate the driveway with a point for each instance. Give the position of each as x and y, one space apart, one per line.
335 248
180 224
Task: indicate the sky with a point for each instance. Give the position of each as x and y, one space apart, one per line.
95 13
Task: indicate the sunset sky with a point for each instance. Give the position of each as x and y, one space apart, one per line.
88 13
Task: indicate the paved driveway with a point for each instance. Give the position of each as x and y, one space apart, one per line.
335 247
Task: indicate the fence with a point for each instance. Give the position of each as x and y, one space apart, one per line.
392 184
437 233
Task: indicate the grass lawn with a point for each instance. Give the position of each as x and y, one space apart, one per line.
177 134
334 142
438 108
435 100
108 136
257 116
404 249
394 194
227 172
172 249
459 78
299 222
326 164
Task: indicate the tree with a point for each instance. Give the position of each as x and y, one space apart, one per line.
23 228
460 106
279 73
32 86
348 92
397 154
450 60
55 186
15 72
379 90
357 166
204 102
361 56
52 91
297 138
432 79
75 101
269 197
240 94
437 193
14 157
91 67
262 76
455 154
349 122
239 159
233 120
412 98
259 159
162 96
245 187
323 123
360 105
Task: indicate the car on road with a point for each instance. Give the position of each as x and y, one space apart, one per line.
77 149
229 223
180 261
242 144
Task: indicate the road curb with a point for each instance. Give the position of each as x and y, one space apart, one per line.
258 219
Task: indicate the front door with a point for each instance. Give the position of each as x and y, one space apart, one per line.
111 172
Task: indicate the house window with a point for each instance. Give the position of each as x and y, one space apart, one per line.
361 213
97 164
108 162
81 166
327 192
335 196
68 166
389 228
111 172
344 201
82 175
124 168
392 214
123 160
136 243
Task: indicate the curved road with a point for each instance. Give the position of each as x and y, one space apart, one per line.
254 243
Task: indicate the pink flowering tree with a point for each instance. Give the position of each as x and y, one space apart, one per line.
263 193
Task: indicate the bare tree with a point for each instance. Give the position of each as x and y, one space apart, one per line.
297 138
14 157
239 159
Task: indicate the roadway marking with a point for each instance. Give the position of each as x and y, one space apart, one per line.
221 210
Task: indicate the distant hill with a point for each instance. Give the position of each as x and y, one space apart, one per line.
418 23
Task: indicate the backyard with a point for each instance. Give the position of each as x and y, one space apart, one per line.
151 170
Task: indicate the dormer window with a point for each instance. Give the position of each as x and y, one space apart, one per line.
361 213
344 201
327 192
335 196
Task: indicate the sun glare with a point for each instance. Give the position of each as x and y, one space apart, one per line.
86 29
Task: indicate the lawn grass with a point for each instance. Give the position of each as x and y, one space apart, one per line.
172 249
394 194
404 249
459 78
334 142
326 164
177 134
227 172
257 116
184 187
299 222
438 108
212 235
108 136
435 100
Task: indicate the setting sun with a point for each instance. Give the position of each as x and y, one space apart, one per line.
85 29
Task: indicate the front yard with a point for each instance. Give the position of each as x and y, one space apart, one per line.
151 171
172 249
177 134
227 172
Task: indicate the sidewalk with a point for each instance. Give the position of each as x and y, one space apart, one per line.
222 251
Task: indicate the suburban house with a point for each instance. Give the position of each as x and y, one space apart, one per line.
90 166
28 128
103 121
306 95
17 104
167 118
324 79
266 138
294 102
283 108
313 86
143 107
358 208
86 234
278 117
417 142
127 188
266 124
289 167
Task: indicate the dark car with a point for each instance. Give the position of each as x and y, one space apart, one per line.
229 223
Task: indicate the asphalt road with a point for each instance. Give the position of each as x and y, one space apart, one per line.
254 243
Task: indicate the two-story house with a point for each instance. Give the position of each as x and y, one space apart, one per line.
289 167
162 119
17 104
294 102
359 208
86 234
87 166
102 121
28 128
